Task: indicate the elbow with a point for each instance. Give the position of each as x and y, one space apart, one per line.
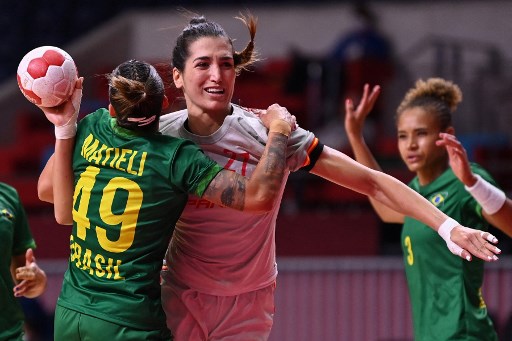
261 203
63 218
63 221
265 206
44 191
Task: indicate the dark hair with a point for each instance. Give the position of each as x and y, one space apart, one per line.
136 92
199 27
435 95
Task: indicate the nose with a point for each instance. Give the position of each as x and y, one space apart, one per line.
215 74
411 143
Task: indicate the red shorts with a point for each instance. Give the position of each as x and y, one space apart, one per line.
194 316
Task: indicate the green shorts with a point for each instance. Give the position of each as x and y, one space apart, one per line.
71 325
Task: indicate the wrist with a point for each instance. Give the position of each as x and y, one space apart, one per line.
356 137
472 181
280 126
66 131
446 228
488 196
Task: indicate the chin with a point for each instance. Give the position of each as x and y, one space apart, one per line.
412 167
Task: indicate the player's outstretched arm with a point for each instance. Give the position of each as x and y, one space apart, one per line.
258 193
344 171
496 207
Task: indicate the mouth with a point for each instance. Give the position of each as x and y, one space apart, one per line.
412 158
214 91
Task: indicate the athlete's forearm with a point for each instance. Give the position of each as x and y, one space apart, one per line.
63 181
502 218
45 182
257 194
265 183
402 199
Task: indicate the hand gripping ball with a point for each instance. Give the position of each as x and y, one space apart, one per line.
47 76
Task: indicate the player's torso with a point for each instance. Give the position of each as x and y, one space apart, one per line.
220 250
124 211
442 286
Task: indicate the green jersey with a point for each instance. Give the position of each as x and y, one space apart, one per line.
445 290
130 190
15 239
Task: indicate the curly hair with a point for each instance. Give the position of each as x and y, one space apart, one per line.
437 96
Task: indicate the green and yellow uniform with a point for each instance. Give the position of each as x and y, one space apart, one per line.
130 190
446 290
15 239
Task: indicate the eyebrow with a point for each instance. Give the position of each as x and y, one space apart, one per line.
201 58
208 58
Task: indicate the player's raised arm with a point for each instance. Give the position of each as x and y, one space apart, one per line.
56 182
259 192
496 207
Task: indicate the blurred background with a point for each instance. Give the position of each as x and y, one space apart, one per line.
340 269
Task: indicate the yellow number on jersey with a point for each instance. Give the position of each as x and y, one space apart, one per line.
84 186
127 219
410 255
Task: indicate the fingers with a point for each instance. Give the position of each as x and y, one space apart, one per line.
365 94
25 273
374 95
474 242
79 83
29 256
349 106
466 255
20 289
448 140
24 288
483 246
489 237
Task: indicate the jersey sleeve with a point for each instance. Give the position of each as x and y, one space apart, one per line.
300 143
192 170
300 146
22 239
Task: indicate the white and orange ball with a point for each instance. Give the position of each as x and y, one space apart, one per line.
47 76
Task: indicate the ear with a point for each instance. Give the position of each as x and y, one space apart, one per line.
111 110
165 102
177 78
450 130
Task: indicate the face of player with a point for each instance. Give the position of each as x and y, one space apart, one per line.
208 79
417 134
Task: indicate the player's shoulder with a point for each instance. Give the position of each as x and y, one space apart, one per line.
246 120
172 118
8 195
7 189
242 113
97 115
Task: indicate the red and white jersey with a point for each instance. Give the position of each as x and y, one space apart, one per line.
218 250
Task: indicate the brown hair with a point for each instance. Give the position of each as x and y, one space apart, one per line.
136 92
437 96
200 27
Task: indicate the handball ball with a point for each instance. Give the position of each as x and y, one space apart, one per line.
47 76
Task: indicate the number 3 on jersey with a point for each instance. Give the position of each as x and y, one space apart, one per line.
408 247
127 220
